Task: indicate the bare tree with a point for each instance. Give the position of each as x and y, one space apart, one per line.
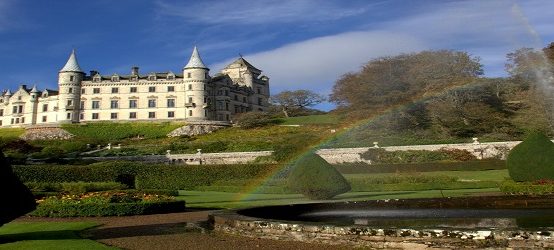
296 100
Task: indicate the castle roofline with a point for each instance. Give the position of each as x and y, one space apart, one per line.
72 65
195 61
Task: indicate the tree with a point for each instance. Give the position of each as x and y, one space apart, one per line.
390 81
532 159
17 200
296 100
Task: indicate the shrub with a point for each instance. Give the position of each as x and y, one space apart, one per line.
532 159
527 188
313 177
107 204
74 187
364 168
255 120
143 176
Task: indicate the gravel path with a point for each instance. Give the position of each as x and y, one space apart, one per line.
173 231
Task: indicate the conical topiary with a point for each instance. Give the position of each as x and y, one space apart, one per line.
532 159
316 179
17 200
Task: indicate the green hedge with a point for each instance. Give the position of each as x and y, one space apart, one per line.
527 188
364 168
74 187
143 176
111 209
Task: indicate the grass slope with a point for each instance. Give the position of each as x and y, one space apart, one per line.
47 235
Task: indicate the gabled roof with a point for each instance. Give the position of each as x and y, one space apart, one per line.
241 62
195 61
72 65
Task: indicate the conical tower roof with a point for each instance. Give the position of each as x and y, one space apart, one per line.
8 92
72 65
34 89
195 60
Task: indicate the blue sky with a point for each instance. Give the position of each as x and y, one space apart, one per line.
298 43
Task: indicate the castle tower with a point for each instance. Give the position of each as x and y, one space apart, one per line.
7 96
196 77
69 83
34 100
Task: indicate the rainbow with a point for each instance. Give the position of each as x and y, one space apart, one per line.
254 187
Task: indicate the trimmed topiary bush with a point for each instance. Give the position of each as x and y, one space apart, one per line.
316 179
532 160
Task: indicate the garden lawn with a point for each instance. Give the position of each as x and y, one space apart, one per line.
47 235
11 132
311 119
199 199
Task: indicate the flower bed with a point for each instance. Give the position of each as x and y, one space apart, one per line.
114 203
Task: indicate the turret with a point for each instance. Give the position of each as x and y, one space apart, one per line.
7 96
69 82
196 76
34 93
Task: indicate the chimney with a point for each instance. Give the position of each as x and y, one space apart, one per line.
135 71
93 72
23 86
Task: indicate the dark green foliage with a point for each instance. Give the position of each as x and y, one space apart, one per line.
74 187
16 198
533 159
527 188
364 168
146 176
417 156
109 131
111 209
316 179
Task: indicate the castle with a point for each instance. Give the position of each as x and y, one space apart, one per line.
193 95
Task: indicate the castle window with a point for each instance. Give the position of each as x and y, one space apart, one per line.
97 78
170 77
134 78
82 106
115 78
133 90
71 78
114 104
171 103
83 91
205 99
152 89
20 109
14 110
12 121
151 115
96 90
0 122
133 115
44 107
190 99
115 90
258 90
68 116
152 103
206 76
44 118
81 116
152 78
19 98
69 103
95 116
70 90
236 98
189 75
22 119
260 101
227 106
244 99
170 114
170 88
95 104
226 92
133 104
190 86
113 116
1 112
190 112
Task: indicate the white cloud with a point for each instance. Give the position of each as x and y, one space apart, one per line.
315 63
488 29
257 12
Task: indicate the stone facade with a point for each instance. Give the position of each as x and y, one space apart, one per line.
191 95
